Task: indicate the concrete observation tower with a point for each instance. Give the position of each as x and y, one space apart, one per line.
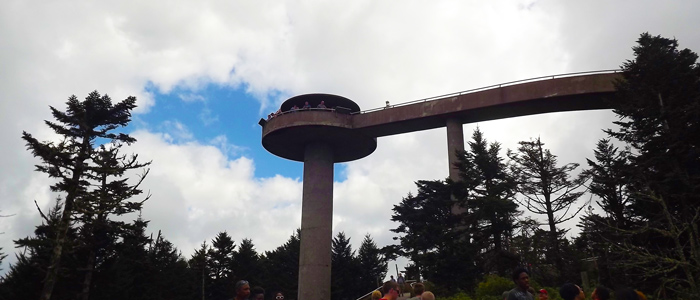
320 137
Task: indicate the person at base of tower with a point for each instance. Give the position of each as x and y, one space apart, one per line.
242 289
428 296
376 295
418 289
390 289
542 295
570 291
401 281
521 278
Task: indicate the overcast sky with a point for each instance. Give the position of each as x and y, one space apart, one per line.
204 72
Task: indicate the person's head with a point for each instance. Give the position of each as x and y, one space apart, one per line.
641 295
242 289
258 293
391 276
626 294
601 293
279 296
542 294
390 290
418 288
521 277
570 291
376 295
427 296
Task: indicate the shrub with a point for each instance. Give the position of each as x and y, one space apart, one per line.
493 286
459 296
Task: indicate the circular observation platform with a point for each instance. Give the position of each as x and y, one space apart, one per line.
287 134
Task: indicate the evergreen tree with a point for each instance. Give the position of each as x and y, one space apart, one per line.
547 189
168 271
246 263
127 273
199 264
72 160
282 267
220 266
373 265
24 278
658 103
609 180
431 238
489 189
344 269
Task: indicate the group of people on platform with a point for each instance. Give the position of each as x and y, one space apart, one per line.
393 289
306 106
568 291
244 292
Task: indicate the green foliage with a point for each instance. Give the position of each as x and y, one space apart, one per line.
345 270
373 265
493 286
547 189
658 103
281 267
458 296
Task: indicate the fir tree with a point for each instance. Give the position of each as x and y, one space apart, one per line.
547 189
221 264
373 264
71 161
489 189
282 267
246 263
658 103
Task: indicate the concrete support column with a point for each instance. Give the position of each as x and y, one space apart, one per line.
316 223
455 142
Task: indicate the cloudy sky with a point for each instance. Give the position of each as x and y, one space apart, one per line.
205 71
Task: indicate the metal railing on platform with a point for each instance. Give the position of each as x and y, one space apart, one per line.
495 86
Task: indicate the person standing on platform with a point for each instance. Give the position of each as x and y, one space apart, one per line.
401 281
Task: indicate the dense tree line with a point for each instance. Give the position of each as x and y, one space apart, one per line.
642 230
80 251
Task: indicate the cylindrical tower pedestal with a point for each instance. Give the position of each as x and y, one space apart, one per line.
316 223
319 137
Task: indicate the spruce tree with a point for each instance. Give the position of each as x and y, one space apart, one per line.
199 274
246 263
373 264
547 189
344 269
658 103
489 189
221 264
430 235
609 179
282 267
73 161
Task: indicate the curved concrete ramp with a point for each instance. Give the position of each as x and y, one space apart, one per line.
584 92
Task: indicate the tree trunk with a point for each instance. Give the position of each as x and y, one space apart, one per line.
52 271
64 224
87 281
